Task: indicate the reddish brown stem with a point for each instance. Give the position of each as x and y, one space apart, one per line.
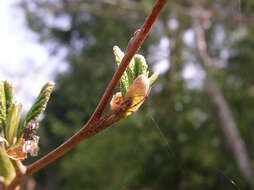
133 46
95 120
20 171
90 130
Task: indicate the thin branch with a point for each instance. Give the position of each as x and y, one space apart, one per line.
133 46
90 130
97 123
20 169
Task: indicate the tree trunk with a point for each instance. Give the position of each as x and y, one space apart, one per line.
229 130
227 123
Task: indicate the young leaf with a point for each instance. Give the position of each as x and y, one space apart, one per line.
153 78
6 167
118 54
137 92
140 66
134 83
12 122
8 90
124 82
40 103
2 104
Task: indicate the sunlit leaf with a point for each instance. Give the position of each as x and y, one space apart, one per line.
40 103
2 103
12 122
9 97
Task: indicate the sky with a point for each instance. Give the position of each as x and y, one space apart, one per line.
23 60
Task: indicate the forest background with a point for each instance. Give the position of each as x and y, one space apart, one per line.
194 132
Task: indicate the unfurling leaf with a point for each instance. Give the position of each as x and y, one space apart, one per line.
40 103
2 104
140 67
12 122
124 82
9 97
137 92
118 54
134 83
153 78
19 137
116 101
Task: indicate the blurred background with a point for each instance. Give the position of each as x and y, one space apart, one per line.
195 131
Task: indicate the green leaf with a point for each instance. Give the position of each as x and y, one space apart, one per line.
130 74
137 67
124 82
118 54
9 97
40 103
153 78
2 103
6 168
12 122
140 66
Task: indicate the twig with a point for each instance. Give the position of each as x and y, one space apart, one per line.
20 171
97 123
133 46
91 130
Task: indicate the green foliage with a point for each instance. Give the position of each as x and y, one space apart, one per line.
140 67
40 103
173 142
2 104
137 67
12 144
12 125
6 168
8 95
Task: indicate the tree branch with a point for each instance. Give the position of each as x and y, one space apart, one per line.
90 130
20 171
134 44
97 123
